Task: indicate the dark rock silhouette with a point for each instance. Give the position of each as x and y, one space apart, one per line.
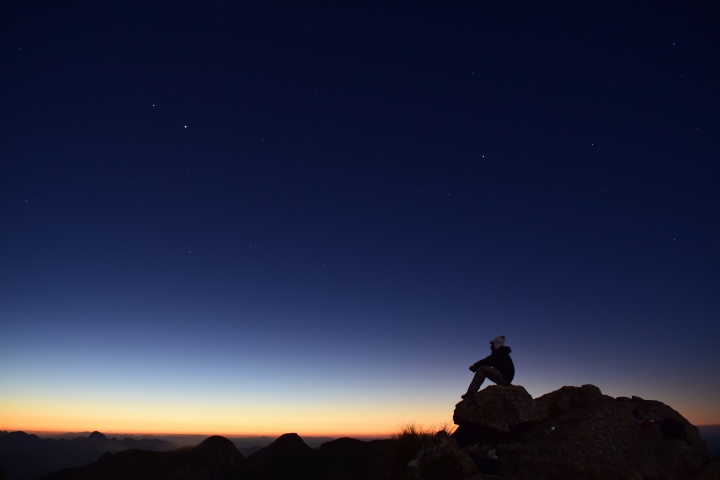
570 398
577 432
495 415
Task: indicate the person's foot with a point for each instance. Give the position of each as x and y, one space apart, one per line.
466 395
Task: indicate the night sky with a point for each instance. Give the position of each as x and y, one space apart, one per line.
270 217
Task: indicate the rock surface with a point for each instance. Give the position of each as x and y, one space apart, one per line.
577 432
495 415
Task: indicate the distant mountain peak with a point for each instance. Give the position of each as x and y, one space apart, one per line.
290 440
218 443
97 436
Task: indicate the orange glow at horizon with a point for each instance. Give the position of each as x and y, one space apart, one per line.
362 427
227 420
353 417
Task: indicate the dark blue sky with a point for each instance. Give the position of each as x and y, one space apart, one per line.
222 206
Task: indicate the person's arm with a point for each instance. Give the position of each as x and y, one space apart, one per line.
485 362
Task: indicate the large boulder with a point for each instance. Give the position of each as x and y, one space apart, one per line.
569 398
497 413
577 432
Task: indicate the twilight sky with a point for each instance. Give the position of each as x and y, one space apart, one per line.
234 218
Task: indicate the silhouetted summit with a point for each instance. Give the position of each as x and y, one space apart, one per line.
96 437
218 452
287 457
18 441
288 444
217 443
289 441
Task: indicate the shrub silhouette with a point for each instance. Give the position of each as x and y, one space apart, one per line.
407 442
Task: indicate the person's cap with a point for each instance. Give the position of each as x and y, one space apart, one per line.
498 342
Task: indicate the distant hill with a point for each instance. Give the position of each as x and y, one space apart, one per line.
29 457
26 457
243 443
218 458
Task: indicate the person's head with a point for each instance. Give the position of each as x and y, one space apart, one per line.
497 342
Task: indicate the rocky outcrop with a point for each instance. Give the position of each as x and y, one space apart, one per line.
570 398
577 432
494 415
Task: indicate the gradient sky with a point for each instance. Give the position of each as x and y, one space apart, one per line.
234 218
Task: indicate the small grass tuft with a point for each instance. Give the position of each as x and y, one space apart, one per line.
408 441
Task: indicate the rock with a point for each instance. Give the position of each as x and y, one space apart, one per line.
604 442
712 471
569 398
577 432
496 413
485 458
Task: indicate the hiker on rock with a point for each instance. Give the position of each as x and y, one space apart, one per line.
498 367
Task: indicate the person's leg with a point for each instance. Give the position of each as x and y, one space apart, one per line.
492 373
495 375
477 380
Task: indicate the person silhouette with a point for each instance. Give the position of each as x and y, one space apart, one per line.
498 367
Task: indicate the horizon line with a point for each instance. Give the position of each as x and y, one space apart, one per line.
226 434
197 434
